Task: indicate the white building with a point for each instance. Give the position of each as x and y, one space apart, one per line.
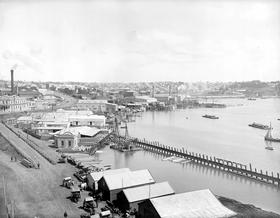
10 104
77 138
87 120
46 123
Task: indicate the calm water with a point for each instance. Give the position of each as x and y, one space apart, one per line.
229 138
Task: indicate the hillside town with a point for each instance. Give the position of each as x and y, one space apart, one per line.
67 125
139 109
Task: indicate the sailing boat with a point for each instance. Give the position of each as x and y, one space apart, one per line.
268 136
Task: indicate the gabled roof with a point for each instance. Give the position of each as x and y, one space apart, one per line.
148 191
83 130
128 179
200 203
96 176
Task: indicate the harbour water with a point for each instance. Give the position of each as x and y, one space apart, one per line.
229 137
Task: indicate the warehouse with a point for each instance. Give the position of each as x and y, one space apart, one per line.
111 185
94 177
131 197
200 203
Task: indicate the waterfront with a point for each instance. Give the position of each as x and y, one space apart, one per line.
229 138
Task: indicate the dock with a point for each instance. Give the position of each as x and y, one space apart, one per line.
214 162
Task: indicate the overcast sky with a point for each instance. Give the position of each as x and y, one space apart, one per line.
140 40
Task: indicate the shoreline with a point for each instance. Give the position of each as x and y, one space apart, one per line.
245 210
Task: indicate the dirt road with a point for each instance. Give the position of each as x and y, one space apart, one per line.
37 192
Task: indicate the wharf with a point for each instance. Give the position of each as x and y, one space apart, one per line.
218 163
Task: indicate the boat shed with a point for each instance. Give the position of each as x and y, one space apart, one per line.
201 203
94 177
131 197
111 185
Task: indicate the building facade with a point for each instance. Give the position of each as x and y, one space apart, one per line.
11 104
97 106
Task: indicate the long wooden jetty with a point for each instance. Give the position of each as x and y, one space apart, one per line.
218 163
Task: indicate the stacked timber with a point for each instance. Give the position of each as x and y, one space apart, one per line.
27 163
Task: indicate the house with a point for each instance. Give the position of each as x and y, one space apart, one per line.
77 138
201 203
111 185
94 177
97 106
131 197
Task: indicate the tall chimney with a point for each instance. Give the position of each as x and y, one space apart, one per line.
12 81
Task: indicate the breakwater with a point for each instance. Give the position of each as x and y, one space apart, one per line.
215 162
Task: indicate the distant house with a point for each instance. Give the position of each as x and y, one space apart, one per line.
87 120
111 185
94 177
24 122
200 203
97 106
131 197
146 99
10 104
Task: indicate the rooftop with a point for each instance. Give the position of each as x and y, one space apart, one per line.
200 203
83 117
96 176
128 179
94 101
83 130
148 191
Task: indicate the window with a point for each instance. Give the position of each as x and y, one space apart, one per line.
69 143
62 143
90 123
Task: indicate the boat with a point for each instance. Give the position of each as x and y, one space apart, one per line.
210 116
178 160
268 136
259 126
252 99
169 158
269 148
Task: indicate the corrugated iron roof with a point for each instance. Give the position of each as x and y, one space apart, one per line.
83 130
148 191
128 179
194 204
96 176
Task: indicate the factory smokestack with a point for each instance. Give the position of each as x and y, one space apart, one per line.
12 82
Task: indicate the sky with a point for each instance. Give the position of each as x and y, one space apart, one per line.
140 40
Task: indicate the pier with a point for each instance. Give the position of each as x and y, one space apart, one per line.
214 162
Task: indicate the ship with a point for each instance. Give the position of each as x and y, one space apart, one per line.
269 148
259 126
210 116
252 99
269 137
